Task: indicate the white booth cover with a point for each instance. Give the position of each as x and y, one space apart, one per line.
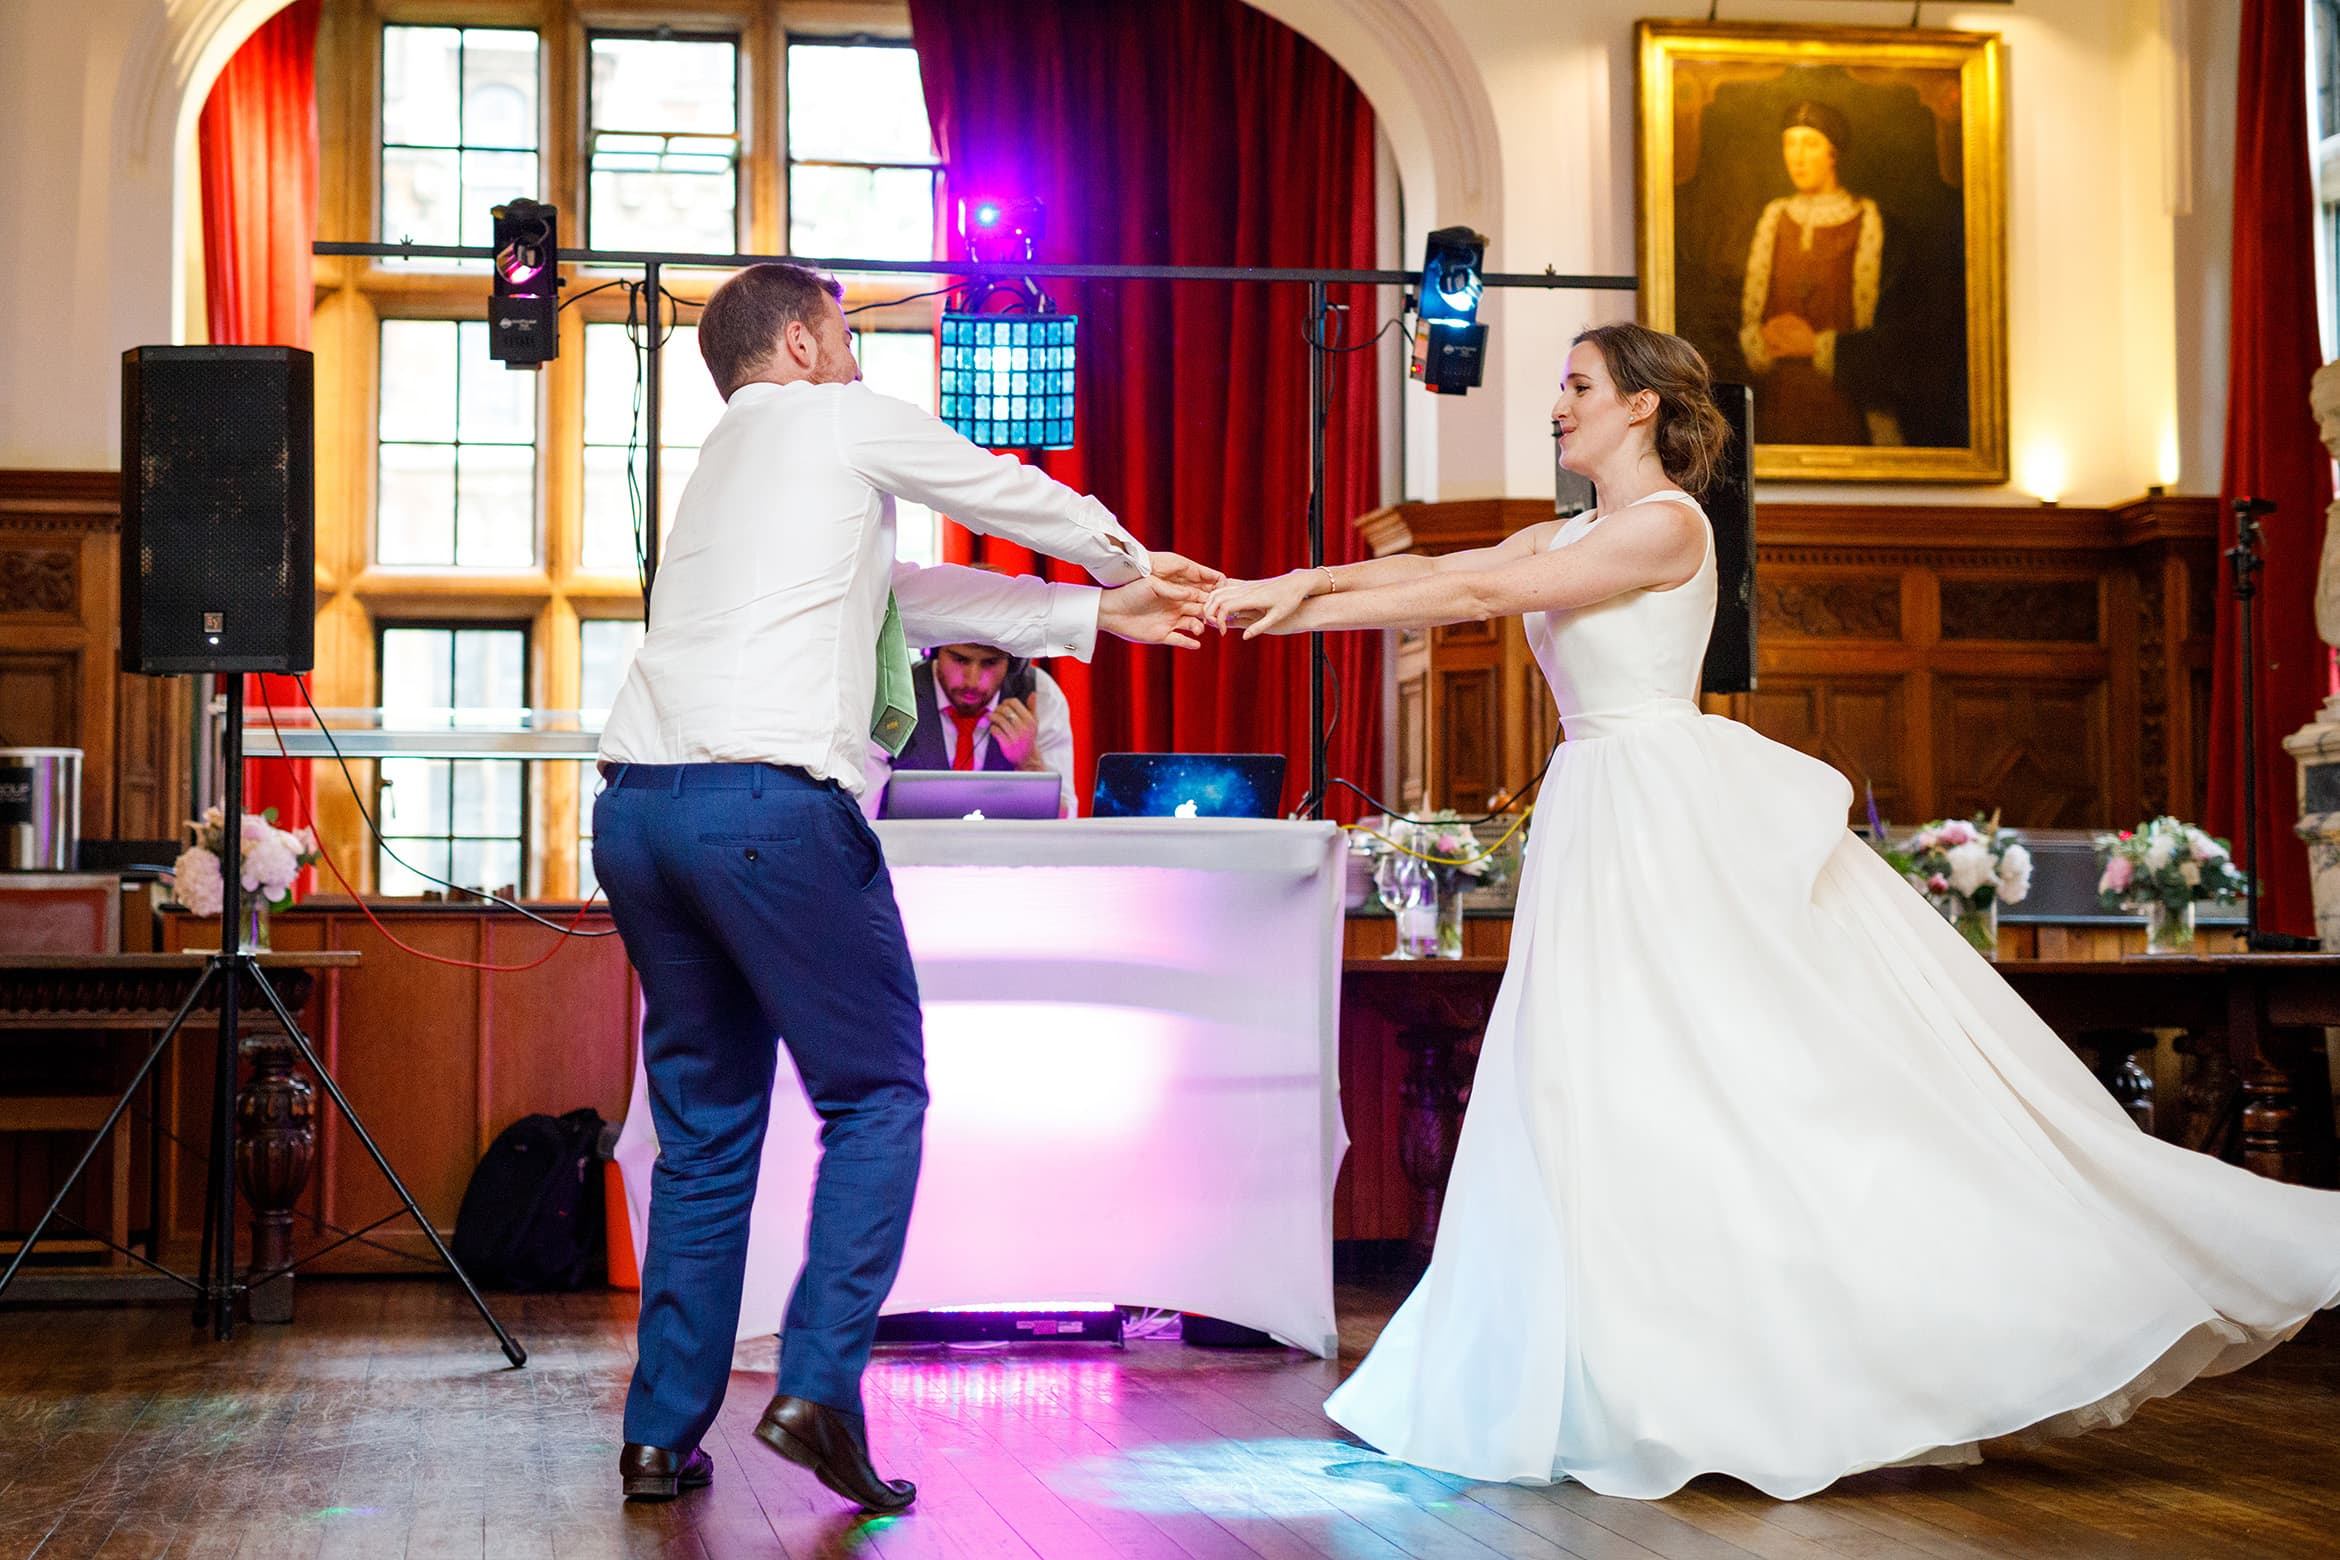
1131 1031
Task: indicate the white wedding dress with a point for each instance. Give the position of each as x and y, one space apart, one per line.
1765 1172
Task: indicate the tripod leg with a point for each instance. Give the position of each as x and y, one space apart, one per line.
210 1213
170 1030
300 1039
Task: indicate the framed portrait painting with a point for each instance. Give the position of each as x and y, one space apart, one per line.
1822 213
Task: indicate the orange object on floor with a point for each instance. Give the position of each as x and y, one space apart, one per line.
623 1272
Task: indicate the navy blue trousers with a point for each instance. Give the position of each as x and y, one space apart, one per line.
755 905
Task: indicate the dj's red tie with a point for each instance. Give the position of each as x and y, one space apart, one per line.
963 756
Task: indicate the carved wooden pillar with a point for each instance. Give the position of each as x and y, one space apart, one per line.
1440 1058
2116 1068
276 1139
2207 1103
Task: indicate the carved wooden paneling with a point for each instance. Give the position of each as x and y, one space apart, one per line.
59 611
2053 611
150 762
1855 607
2034 748
1860 726
39 582
1470 736
40 698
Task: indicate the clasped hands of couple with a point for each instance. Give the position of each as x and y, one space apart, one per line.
1181 600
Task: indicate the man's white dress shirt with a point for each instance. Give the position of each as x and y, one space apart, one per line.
1053 736
764 618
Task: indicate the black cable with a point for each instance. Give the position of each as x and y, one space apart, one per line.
358 797
1397 323
590 291
1398 817
887 303
634 438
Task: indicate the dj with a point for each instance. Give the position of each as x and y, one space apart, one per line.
996 712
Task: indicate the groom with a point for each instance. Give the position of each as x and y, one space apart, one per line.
751 894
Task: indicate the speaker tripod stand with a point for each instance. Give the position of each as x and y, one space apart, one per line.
216 1286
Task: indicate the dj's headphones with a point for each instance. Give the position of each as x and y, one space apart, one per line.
1021 682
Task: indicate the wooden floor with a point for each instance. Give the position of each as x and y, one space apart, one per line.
385 1423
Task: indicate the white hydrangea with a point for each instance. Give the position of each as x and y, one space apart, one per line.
1971 867
196 881
2159 852
2014 875
269 865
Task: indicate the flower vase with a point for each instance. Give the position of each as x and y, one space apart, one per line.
1978 924
1417 929
254 937
2169 931
1450 927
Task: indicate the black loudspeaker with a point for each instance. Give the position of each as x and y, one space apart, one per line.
219 540
1729 502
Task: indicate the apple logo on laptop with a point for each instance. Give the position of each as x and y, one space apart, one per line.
1187 810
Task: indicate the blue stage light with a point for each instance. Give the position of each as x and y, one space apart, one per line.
1007 379
1450 348
1451 282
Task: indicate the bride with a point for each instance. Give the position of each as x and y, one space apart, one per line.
1765 1172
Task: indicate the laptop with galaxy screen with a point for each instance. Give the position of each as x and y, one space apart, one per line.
1189 785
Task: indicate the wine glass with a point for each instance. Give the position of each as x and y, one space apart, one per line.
1403 883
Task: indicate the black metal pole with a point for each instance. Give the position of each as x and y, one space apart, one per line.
654 379
223 1154
1318 414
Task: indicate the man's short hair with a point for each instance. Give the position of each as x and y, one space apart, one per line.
741 326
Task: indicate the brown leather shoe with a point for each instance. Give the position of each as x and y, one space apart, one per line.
832 1445
654 1473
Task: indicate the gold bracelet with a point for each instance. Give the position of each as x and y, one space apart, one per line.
1332 581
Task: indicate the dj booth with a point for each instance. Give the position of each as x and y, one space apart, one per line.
1131 1030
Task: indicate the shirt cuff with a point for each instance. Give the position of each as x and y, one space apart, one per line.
1132 563
1072 620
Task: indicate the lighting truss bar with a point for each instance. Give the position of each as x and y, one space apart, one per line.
630 259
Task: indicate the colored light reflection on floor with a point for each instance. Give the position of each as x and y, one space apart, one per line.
1010 1381
1274 1478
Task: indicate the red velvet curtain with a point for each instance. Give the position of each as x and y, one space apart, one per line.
2272 452
257 142
1190 132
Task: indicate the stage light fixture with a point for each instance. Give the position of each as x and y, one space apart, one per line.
996 230
1007 379
1450 346
524 308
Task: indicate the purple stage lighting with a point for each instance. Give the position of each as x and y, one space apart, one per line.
997 230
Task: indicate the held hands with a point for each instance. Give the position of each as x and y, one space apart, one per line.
1180 570
1262 606
1157 610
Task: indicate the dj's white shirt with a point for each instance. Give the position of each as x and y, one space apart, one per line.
771 591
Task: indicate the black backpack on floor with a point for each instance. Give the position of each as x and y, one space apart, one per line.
531 1217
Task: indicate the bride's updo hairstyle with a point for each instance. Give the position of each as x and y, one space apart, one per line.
1691 430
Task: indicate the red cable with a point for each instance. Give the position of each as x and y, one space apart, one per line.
367 910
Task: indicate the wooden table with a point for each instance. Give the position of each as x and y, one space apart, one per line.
2252 1022
139 992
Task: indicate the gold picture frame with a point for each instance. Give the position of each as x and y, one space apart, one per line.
1822 212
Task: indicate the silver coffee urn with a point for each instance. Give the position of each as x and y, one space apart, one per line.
40 808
